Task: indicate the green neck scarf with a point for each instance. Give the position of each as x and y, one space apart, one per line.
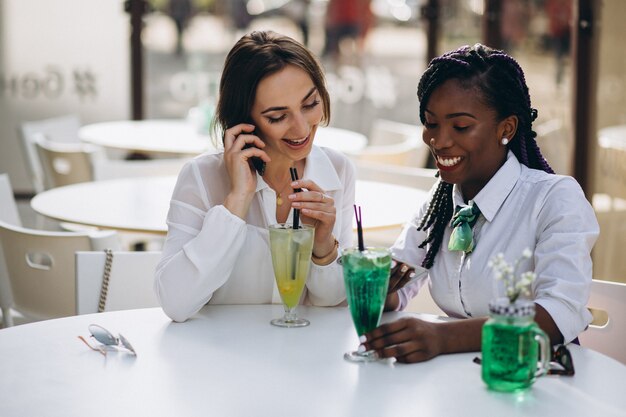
463 221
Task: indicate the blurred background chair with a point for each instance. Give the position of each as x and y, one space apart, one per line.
409 153
64 163
55 156
421 178
394 143
607 331
63 129
41 268
131 281
8 214
388 132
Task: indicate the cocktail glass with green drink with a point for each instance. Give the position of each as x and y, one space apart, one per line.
291 257
366 274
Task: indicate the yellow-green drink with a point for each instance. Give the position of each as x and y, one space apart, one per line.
366 275
291 257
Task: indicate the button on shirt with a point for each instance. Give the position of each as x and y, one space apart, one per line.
520 208
212 256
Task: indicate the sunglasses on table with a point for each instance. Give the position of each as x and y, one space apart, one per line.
107 340
561 362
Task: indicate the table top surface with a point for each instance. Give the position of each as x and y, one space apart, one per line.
181 137
140 204
229 361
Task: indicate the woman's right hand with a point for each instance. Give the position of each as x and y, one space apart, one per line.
240 170
399 276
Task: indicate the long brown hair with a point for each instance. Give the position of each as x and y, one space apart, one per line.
254 57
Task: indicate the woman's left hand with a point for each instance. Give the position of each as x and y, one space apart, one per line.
407 339
318 210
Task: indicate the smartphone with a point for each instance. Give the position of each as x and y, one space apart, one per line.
257 163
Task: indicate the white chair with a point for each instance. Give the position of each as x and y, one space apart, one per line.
422 178
8 214
395 143
62 129
409 153
41 267
607 332
64 163
8 208
386 132
131 281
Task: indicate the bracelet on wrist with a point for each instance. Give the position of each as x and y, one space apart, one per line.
328 258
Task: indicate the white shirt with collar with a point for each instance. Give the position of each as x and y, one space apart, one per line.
520 208
212 256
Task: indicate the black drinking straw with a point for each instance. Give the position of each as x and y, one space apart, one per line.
296 225
296 212
359 227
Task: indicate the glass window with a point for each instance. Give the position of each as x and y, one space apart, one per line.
610 173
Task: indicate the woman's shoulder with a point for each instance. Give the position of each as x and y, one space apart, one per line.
557 194
200 169
338 159
206 163
550 182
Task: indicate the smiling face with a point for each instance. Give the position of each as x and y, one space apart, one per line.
465 136
286 112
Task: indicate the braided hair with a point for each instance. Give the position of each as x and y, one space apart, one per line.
502 86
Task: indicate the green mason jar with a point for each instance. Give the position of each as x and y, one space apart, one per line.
515 351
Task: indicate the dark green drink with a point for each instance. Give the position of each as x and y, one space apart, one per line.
366 275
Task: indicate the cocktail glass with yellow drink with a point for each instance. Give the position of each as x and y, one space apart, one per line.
291 257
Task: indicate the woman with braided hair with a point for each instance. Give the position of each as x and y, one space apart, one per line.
496 194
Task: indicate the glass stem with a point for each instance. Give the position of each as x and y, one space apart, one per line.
290 314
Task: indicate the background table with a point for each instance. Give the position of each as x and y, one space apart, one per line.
229 361
181 137
141 204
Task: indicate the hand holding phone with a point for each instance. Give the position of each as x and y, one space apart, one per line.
257 163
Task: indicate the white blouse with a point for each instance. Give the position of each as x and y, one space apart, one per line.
520 208
212 256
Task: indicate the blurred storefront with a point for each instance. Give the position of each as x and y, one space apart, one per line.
59 57
73 56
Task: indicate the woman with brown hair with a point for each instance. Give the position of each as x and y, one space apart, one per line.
272 99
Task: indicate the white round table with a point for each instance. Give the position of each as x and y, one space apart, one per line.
140 204
181 137
229 361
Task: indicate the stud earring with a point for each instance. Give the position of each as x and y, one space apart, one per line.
505 141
